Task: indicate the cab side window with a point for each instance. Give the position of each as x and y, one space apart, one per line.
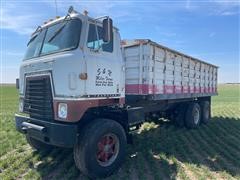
93 42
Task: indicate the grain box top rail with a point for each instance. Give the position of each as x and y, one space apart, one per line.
136 42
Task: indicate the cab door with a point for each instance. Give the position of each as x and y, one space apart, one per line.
102 65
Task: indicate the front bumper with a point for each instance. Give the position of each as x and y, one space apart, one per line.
57 134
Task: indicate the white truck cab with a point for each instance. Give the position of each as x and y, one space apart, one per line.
82 67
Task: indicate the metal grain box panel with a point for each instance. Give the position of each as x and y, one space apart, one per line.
178 61
152 69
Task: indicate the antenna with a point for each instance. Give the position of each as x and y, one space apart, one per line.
56 7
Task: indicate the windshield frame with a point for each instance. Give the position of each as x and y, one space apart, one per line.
61 50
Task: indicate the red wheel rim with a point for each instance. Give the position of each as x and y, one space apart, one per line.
107 149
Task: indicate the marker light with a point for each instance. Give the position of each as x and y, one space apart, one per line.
62 110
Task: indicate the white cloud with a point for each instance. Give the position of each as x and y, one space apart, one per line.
227 3
188 4
212 7
225 8
95 8
168 34
229 13
11 53
191 6
22 23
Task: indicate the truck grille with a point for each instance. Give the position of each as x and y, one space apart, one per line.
38 101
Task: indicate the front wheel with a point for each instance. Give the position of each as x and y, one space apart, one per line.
101 148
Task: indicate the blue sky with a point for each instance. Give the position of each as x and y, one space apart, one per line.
208 30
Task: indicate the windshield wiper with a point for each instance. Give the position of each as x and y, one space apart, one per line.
32 39
57 32
60 29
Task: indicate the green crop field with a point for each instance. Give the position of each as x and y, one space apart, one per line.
160 151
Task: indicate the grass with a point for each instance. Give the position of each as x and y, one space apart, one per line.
160 151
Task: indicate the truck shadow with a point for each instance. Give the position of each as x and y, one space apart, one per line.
215 146
164 152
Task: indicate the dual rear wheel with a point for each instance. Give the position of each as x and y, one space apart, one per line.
192 114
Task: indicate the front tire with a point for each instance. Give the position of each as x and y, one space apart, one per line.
101 148
193 115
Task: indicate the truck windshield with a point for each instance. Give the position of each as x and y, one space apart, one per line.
58 37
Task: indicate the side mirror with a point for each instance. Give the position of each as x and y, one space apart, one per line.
17 83
107 30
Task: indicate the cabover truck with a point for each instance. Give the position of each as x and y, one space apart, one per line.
83 87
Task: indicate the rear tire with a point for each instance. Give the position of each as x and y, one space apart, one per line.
205 111
101 148
193 115
38 145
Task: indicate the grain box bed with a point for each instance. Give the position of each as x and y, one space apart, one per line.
156 72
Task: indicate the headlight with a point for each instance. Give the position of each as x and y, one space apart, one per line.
62 110
21 104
